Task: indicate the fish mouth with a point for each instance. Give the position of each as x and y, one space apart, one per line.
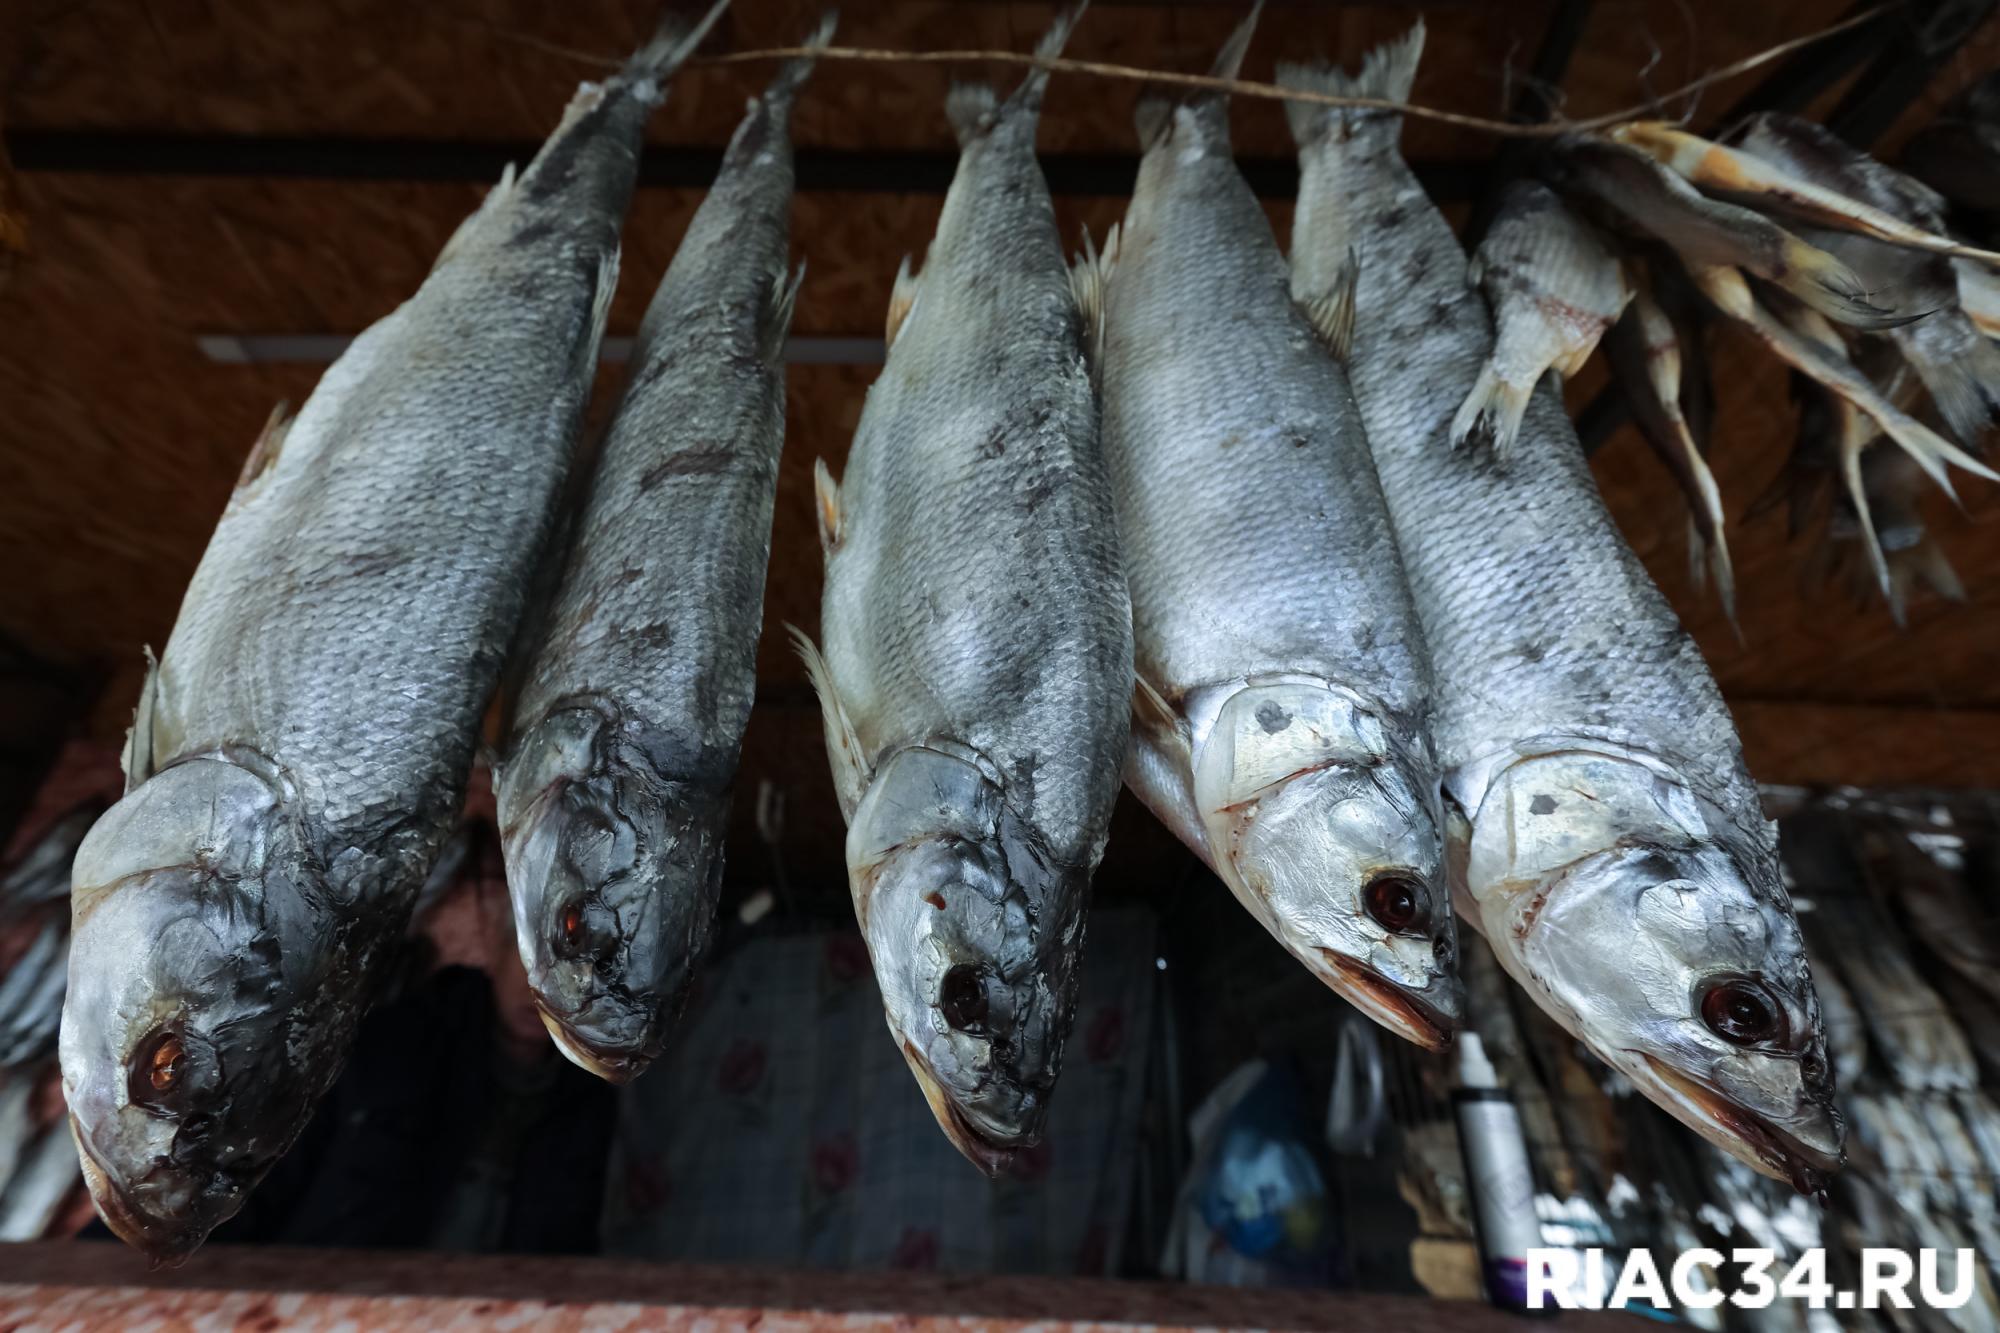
167 1244
1745 1135
984 1149
1413 1017
612 1064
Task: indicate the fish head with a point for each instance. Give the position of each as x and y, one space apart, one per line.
1645 937
1325 824
613 872
974 934
183 1078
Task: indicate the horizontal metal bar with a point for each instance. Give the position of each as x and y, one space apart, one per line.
318 349
283 157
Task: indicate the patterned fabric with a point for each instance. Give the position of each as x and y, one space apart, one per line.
785 1128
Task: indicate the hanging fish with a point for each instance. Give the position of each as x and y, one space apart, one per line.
1604 833
977 675
1281 728
300 751
614 798
1554 287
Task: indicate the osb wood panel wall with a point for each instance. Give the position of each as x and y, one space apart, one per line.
119 441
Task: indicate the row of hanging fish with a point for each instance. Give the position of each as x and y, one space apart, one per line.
1843 268
1189 500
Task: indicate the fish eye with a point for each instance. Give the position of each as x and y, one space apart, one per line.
962 999
157 1070
569 927
1743 1012
1398 903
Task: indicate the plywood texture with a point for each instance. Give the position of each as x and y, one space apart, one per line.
119 442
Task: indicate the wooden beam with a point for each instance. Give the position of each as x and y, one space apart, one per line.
1820 745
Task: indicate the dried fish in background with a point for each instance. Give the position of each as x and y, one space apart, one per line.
1554 287
1650 919
300 751
977 677
1281 728
614 798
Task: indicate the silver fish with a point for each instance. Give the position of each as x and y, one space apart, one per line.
977 679
1554 287
17 1118
1282 728
1603 833
1958 364
614 798
1647 198
300 752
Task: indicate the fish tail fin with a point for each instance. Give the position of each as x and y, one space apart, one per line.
1831 287
1857 495
792 75
1965 388
1930 450
1331 313
1387 73
902 300
1934 569
783 300
1491 415
1154 115
674 39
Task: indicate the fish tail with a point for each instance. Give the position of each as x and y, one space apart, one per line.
1386 75
1154 115
1491 414
975 108
1966 389
793 74
672 42
1831 287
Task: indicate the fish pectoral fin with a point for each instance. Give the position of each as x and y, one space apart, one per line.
1089 274
782 301
137 757
1153 715
270 442
843 747
902 300
1491 415
826 505
1331 313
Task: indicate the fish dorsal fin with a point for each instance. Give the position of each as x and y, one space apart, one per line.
826 505
137 757
902 300
495 199
270 443
1331 313
783 300
1089 275
843 747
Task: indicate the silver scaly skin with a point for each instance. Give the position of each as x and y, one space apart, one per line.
301 749
613 801
1282 726
1604 835
977 676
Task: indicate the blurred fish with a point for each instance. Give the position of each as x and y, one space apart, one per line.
1602 829
977 679
17 1119
1284 692
1981 1118
1490 1011
614 797
1846 1033
1908 1024
1554 286
1978 295
1935 902
1972 1184
1707 233
1958 364
30 1018
40 1184
1822 358
1748 176
42 874
1646 362
300 752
